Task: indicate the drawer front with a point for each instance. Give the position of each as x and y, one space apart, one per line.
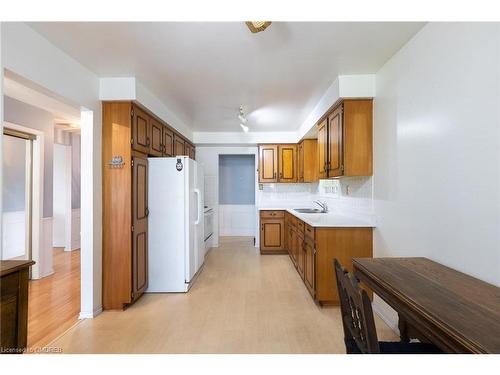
9 286
309 232
272 214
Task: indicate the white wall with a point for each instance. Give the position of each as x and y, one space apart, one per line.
31 117
29 55
436 149
130 88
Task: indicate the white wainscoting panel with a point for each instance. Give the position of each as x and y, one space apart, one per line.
75 228
236 220
14 236
46 249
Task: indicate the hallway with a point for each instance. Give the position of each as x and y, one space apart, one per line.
54 301
242 302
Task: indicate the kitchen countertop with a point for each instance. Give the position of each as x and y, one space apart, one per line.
330 219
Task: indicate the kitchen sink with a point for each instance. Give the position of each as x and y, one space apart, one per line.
309 210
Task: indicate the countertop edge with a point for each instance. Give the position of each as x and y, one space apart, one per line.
316 225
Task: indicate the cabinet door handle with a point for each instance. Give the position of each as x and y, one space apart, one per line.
147 212
281 175
274 175
147 141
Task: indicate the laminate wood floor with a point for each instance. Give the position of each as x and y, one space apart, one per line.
54 301
242 302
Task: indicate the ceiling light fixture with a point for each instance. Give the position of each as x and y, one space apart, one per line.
241 115
242 118
257 26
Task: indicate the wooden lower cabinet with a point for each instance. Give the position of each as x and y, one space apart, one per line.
310 267
343 244
14 276
312 251
272 232
299 243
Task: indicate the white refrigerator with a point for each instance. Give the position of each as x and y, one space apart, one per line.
176 249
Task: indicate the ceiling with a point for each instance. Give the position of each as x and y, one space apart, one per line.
204 71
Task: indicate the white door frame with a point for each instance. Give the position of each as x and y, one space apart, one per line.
36 194
63 198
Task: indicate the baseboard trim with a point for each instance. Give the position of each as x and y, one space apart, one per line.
89 315
380 311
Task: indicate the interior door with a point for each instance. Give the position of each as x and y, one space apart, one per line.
168 142
156 131
268 163
140 226
335 143
287 163
322 149
140 130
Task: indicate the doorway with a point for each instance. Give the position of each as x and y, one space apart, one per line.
237 195
17 191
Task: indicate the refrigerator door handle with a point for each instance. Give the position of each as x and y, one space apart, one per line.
198 203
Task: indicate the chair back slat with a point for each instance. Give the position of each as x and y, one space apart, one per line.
357 313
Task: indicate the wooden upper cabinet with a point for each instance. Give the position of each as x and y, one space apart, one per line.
268 163
178 146
358 137
322 149
345 140
188 149
307 160
192 153
140 130
140 226
168 142
300 162
335 164
287 163
156 137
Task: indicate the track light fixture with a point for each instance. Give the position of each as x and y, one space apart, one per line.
242 118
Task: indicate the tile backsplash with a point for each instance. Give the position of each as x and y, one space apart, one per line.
353 194
346 194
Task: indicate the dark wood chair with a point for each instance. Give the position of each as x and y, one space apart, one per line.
360 335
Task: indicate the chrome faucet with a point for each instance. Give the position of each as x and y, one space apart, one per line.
323 205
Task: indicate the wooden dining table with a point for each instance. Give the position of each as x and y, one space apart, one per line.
435 303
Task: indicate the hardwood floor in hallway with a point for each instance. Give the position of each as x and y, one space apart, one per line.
242 302
54 301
